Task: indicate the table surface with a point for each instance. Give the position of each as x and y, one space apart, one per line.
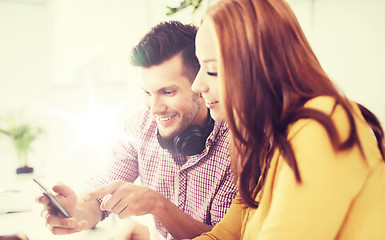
19 199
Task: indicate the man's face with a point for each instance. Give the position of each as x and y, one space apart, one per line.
169 97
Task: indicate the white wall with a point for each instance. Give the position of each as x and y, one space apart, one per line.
66 63
24 66
64 67
24 53
93 87
348 36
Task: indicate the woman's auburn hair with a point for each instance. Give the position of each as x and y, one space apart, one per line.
268 72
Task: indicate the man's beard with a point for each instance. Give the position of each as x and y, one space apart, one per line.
187 119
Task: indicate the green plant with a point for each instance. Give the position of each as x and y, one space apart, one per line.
183 4
22 137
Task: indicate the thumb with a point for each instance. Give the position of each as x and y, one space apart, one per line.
102 191
63 189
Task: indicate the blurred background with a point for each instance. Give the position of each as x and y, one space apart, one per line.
64 68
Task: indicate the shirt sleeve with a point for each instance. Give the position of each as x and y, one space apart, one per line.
316 207
230 226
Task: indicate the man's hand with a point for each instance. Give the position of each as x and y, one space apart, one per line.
58 224
132 231
126 199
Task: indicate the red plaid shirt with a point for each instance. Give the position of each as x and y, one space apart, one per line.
203 187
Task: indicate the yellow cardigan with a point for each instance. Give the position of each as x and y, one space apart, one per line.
341 196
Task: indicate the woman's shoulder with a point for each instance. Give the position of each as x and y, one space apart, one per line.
338 112
326 105
321 103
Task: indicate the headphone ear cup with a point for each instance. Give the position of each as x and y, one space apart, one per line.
192 141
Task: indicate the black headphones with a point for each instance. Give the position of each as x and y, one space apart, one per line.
189 142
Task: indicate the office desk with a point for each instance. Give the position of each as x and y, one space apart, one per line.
20 196
32 225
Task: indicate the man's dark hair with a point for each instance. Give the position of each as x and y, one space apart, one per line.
163 42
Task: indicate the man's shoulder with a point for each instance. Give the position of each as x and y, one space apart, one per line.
141 115
145 117
140 120
221 130
219 143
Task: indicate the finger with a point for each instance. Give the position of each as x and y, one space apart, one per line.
42 199
102 191
48 210
63 189
132 210
125 213
60 222
112 202
62 231
45 212
104 200
119 207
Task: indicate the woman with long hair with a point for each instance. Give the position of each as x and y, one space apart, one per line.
308 161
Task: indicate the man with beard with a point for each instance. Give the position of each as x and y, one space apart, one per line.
180 154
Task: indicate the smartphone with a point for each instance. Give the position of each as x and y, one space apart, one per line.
53 200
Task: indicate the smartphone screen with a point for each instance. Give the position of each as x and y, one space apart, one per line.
53 200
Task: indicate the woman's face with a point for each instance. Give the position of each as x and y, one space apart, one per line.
207 83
